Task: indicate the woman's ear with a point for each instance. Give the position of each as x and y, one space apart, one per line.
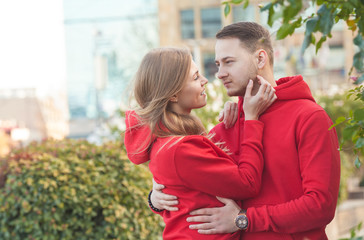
173 99
262 58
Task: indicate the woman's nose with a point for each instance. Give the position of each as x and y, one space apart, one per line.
204 81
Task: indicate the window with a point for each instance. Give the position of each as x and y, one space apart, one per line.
209 65
211 22
334 57
243 15
187 24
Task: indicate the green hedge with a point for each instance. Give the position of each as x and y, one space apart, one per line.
72 189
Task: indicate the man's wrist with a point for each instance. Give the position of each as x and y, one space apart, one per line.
241 221
151 204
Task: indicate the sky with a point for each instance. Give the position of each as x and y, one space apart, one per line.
32 48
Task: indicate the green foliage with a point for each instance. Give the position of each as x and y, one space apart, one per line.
227 7
359 58
336 106
75 190
353 233
352 133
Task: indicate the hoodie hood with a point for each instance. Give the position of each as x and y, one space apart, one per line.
137 138
289 88
293 88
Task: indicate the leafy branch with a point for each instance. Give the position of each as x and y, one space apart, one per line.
329 13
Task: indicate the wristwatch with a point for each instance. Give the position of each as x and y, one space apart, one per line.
241 221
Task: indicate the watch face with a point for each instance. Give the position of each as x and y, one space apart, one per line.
241 222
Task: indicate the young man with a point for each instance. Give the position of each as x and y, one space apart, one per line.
300 181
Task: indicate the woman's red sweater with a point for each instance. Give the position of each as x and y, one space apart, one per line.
196 171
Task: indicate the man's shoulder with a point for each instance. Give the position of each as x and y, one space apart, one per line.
302 106
218 128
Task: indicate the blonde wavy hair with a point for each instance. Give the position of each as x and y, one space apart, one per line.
161 75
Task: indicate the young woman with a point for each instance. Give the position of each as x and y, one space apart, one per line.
182 156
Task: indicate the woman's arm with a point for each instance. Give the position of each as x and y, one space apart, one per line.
203 168
253 107
161 200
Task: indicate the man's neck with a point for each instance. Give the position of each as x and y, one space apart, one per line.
268 75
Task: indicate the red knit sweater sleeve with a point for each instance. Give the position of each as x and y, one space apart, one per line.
319 162
202 166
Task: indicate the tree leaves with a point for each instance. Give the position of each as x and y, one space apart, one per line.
338 121
326 16
319 43
359 115
288 28
227 8
359 57
357 164
311 26
291 10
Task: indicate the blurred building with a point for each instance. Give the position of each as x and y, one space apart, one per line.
105 40
26 117
195 23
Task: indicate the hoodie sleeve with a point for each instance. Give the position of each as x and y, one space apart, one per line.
319 162
201 165
136 139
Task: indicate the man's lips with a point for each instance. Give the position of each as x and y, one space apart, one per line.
226 83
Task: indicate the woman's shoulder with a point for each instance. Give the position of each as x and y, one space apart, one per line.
181 141
195 138
197 146
181 146
188 144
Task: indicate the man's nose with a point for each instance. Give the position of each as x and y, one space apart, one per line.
221 73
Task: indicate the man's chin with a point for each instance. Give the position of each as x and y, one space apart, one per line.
231 93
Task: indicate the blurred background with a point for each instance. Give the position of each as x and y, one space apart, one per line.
66 65
66 68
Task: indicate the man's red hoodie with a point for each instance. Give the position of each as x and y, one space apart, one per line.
300 180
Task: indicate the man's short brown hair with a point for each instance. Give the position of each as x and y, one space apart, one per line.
252 36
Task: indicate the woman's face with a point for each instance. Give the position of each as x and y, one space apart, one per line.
193 93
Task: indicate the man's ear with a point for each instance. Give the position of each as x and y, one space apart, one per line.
262 58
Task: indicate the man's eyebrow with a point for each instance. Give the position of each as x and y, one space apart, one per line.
224 59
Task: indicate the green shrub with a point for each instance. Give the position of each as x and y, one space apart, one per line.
75 190
337 106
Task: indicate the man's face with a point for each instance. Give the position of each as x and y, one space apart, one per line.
236 65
